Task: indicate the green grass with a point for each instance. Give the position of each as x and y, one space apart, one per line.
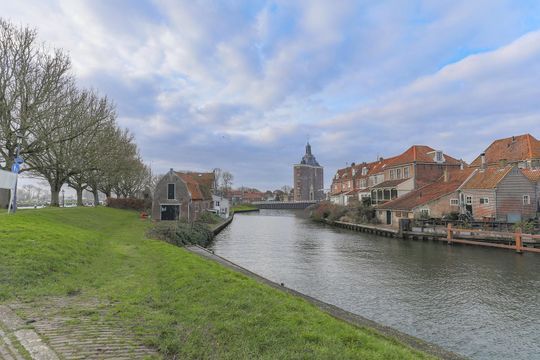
243 207
177 302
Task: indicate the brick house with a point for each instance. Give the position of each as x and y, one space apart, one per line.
435 200
502 194
522 151
182 195
388 179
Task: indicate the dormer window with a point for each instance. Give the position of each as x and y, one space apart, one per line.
439 158
364 171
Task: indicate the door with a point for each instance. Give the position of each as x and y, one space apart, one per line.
170 212
388 217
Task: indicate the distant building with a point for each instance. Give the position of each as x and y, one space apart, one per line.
308 178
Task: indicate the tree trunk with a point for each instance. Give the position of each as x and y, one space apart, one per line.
79 196
96 197
55 195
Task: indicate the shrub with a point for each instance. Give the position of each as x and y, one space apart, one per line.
181 233
208 217
128 204
526 226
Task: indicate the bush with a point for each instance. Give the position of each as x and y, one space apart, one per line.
357 212
526 226
182 233
129 204
208 217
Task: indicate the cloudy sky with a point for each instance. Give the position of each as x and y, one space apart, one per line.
241 85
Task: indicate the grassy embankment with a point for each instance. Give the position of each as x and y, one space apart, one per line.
243 208
185 306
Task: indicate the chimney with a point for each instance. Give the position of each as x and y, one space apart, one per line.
445 175
461 165
381 158
483 159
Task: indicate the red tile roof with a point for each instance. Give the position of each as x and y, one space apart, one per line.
533 175
487 179
511 149
199 184
422 154
429 192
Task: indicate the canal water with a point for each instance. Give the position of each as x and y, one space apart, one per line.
478 302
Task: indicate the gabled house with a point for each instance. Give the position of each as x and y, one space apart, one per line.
417 166
534 176
182 195
220 206
501 194
436 199
522 151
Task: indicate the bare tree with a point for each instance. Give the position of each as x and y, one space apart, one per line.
226 182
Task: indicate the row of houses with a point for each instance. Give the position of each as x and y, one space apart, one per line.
501 184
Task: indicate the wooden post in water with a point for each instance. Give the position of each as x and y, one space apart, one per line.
519 241
449 233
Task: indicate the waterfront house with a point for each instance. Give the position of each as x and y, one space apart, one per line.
522 151
534 176
220 205
417 166
182 195
499 193
433 200
342 184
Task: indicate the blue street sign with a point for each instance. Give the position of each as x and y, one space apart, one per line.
16 167
19 160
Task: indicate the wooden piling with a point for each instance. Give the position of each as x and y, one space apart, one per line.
519 241
449 234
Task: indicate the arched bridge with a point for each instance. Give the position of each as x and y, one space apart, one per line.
283 204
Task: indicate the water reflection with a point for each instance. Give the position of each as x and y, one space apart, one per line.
482 303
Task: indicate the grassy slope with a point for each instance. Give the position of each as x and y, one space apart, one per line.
174 300
243 207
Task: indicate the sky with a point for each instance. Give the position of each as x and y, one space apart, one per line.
242 85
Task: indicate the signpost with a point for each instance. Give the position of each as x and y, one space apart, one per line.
15 169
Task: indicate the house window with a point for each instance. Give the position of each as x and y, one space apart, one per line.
424 212
364 171
171 191
392 174
217 203
468 200
398 173
393 194
398 214
439 156
484 200
454 202
406 172
526 200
